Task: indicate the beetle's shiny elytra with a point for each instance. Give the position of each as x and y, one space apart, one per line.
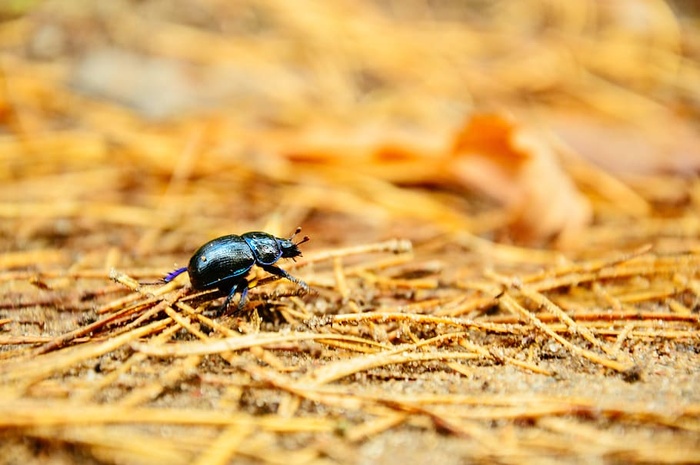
224 263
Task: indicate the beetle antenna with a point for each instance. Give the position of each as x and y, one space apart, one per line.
297 231
304 239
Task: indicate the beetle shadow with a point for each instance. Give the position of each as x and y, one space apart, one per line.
261 301
213 297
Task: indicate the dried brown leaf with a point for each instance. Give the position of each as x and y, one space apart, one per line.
514 164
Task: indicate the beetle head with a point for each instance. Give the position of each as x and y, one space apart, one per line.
289 248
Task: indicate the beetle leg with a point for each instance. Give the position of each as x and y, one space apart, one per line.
283 274
170 276
241 287
244 296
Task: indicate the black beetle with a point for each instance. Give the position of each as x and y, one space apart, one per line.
224 263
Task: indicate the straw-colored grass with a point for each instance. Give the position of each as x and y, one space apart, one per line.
502 202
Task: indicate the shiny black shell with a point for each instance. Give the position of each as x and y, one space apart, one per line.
220 262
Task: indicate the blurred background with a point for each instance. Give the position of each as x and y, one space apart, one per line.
522 122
